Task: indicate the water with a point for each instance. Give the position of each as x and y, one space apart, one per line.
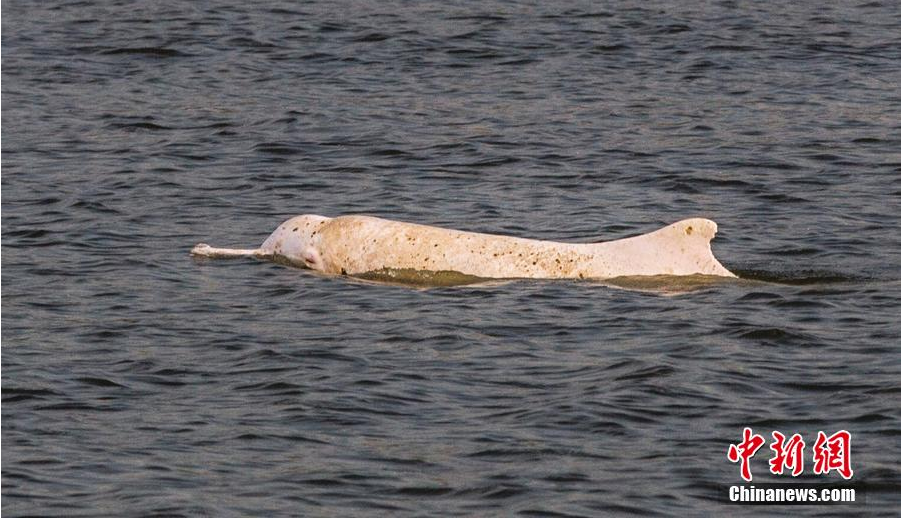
138 381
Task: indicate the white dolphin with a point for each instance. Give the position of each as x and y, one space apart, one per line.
356 245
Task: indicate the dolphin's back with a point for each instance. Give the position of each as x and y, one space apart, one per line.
360 244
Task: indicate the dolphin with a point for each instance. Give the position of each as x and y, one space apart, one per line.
356 244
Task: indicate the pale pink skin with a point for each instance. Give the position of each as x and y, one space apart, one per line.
357 244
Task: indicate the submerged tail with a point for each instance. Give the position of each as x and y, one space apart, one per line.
680 249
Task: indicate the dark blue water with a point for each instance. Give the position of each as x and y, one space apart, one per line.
136 381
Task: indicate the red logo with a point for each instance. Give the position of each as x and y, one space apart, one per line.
833 454
830 453
788 455
744 451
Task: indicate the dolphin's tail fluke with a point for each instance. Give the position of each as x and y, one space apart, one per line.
202 249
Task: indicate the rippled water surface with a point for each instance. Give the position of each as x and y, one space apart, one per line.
138 381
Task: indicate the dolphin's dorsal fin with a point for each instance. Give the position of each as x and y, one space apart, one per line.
681 248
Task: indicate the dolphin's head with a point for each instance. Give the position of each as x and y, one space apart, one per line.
296 241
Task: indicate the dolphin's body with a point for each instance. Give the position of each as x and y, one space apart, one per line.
354 244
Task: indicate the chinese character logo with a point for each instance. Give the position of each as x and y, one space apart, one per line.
788 455
829 453
832 453
744 451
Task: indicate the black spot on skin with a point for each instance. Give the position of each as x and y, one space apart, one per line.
294 230
344 272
